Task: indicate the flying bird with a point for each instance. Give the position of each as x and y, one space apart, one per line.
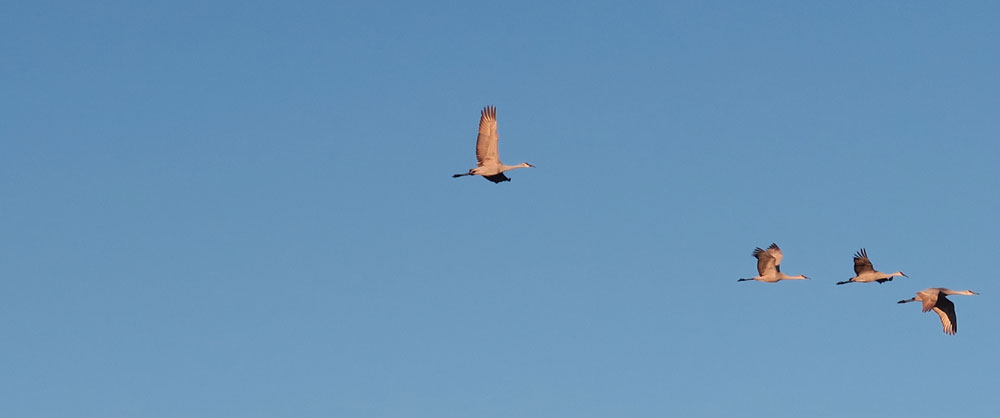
769 266
865 273
489 165
934 298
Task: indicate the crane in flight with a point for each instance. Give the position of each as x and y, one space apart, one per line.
489 165
934 298
865 273
769 266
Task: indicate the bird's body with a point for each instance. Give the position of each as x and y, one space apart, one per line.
934 298
769 266
487 155
865 273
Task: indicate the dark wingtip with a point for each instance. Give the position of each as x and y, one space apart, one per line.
490 112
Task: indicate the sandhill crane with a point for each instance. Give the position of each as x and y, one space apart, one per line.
489 165
934 298
769 266
865 273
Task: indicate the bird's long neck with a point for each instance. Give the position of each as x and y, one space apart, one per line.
959 292
786 277
511 167
898 273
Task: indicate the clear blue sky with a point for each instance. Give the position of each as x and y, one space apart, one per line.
244 209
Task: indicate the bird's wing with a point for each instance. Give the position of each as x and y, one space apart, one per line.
929 299
765 262
497 178
946 310
862 263
775 252
486 144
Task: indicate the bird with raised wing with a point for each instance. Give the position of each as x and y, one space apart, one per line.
769 266
934 298
865 273
489 165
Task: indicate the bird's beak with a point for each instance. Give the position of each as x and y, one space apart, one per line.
974 293
529 165
904 274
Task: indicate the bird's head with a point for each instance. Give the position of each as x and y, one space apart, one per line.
972 293
527 165
902 274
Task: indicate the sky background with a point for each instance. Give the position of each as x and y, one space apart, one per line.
244 209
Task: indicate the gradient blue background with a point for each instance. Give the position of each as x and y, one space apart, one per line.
244 208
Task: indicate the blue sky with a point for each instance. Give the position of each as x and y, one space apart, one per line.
244 208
